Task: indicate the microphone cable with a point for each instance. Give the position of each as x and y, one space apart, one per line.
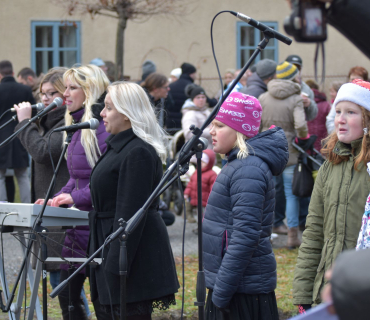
4 113
178 170
2 258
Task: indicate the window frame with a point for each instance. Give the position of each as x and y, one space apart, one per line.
55 48
257 38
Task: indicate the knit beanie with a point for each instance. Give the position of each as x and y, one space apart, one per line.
266 68
148 67
192 90
188 68
357 91
286 71
242 113
176 72
294 59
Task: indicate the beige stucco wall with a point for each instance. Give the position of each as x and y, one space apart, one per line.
168 41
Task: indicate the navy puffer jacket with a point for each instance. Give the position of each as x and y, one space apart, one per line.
238 220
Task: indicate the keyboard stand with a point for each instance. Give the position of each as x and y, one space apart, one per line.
33 280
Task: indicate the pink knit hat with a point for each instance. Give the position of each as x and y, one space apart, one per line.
242 113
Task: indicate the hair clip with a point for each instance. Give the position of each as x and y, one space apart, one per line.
365 131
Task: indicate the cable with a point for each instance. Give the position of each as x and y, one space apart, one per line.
213 50
4 113
2 256
105 277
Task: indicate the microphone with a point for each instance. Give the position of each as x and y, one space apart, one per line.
38 107
57 103
92 124
260 26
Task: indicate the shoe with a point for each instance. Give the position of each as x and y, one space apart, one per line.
293 241
282 229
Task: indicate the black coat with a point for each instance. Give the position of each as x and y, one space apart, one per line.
13 155
35 139
120 183
177 92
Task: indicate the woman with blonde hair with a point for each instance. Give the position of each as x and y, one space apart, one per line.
121 182
84 94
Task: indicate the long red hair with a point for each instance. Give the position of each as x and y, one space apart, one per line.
363 156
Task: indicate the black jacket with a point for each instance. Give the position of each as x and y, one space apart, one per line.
177 92
13 155
120 183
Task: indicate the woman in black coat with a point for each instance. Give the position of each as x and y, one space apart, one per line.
121 182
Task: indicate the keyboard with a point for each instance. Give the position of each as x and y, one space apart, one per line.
24 215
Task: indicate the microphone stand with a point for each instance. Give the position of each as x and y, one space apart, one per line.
38 228
13 118
193 146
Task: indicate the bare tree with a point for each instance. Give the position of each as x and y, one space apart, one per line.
124 10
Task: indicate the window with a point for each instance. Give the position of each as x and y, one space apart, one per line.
54 43
247 40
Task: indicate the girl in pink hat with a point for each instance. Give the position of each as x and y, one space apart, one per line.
239 263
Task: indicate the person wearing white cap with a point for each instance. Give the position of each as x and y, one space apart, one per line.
175 74
339 195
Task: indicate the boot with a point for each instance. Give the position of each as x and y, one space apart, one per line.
78 312
293 241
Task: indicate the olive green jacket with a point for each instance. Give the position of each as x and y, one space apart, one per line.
333 222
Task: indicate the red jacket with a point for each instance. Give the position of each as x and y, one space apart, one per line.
317 126
208 178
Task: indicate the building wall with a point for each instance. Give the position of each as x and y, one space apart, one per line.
169 41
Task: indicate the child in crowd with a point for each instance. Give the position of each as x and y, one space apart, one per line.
239 263
195 111
340 192
208 178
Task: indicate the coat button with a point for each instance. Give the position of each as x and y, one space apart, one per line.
336 149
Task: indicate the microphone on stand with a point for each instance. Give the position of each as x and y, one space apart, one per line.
92 124
57 103
262 27
38 107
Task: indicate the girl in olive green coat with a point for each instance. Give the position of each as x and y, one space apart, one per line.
339 195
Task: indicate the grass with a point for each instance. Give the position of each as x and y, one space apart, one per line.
286 260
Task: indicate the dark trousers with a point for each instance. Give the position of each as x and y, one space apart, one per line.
10 188
78 310
280 205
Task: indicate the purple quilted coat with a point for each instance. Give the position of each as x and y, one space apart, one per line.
78 187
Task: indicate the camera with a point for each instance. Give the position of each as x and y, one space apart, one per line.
307 22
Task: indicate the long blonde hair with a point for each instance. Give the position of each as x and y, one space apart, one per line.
93 81
241 143
131 100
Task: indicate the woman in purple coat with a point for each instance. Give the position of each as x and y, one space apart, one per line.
84 97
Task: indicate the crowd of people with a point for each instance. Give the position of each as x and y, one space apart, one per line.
111 171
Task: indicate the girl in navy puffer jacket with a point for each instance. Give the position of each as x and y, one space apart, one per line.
239 263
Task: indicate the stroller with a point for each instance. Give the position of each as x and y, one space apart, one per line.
309 163
174 194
